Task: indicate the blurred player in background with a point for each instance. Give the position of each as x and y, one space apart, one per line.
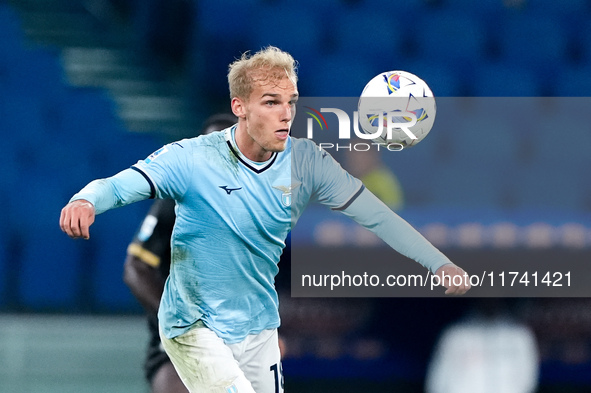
488 352
238 193
146 268
368 167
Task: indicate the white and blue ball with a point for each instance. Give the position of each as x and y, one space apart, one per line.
402 96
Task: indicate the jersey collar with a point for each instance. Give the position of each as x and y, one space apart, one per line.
256 167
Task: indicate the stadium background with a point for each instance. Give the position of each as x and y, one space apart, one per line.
89 87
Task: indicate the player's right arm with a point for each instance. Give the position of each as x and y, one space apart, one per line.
162 175
76 218
100 195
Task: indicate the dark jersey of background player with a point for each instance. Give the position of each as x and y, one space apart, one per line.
146 268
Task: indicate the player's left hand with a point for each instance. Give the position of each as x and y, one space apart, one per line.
447 273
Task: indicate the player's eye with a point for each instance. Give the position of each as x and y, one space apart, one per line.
270 103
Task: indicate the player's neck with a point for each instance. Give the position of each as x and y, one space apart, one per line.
249 147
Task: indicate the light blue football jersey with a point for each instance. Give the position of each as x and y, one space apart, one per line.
318 178
233 216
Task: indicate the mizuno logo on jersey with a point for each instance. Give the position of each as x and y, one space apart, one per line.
229 190
286 190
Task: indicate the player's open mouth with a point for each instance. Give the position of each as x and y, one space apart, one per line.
282 134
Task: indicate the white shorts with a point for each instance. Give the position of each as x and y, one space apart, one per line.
206 364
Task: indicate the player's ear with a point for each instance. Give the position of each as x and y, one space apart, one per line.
238 107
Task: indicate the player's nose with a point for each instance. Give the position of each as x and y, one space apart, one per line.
286 113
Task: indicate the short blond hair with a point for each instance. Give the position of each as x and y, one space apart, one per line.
269 62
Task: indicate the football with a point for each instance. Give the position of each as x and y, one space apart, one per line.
397 108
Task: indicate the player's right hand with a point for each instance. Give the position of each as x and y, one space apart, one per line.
76 218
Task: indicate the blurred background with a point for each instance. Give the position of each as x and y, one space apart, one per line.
88 87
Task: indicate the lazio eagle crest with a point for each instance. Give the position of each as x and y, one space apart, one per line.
286 193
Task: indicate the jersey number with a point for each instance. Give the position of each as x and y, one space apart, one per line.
278 373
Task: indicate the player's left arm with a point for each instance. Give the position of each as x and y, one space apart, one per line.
336 188
373 214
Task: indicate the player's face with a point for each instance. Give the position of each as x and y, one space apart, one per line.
267 116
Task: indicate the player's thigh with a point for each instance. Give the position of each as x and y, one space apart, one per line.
166 380
204 363
261 362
